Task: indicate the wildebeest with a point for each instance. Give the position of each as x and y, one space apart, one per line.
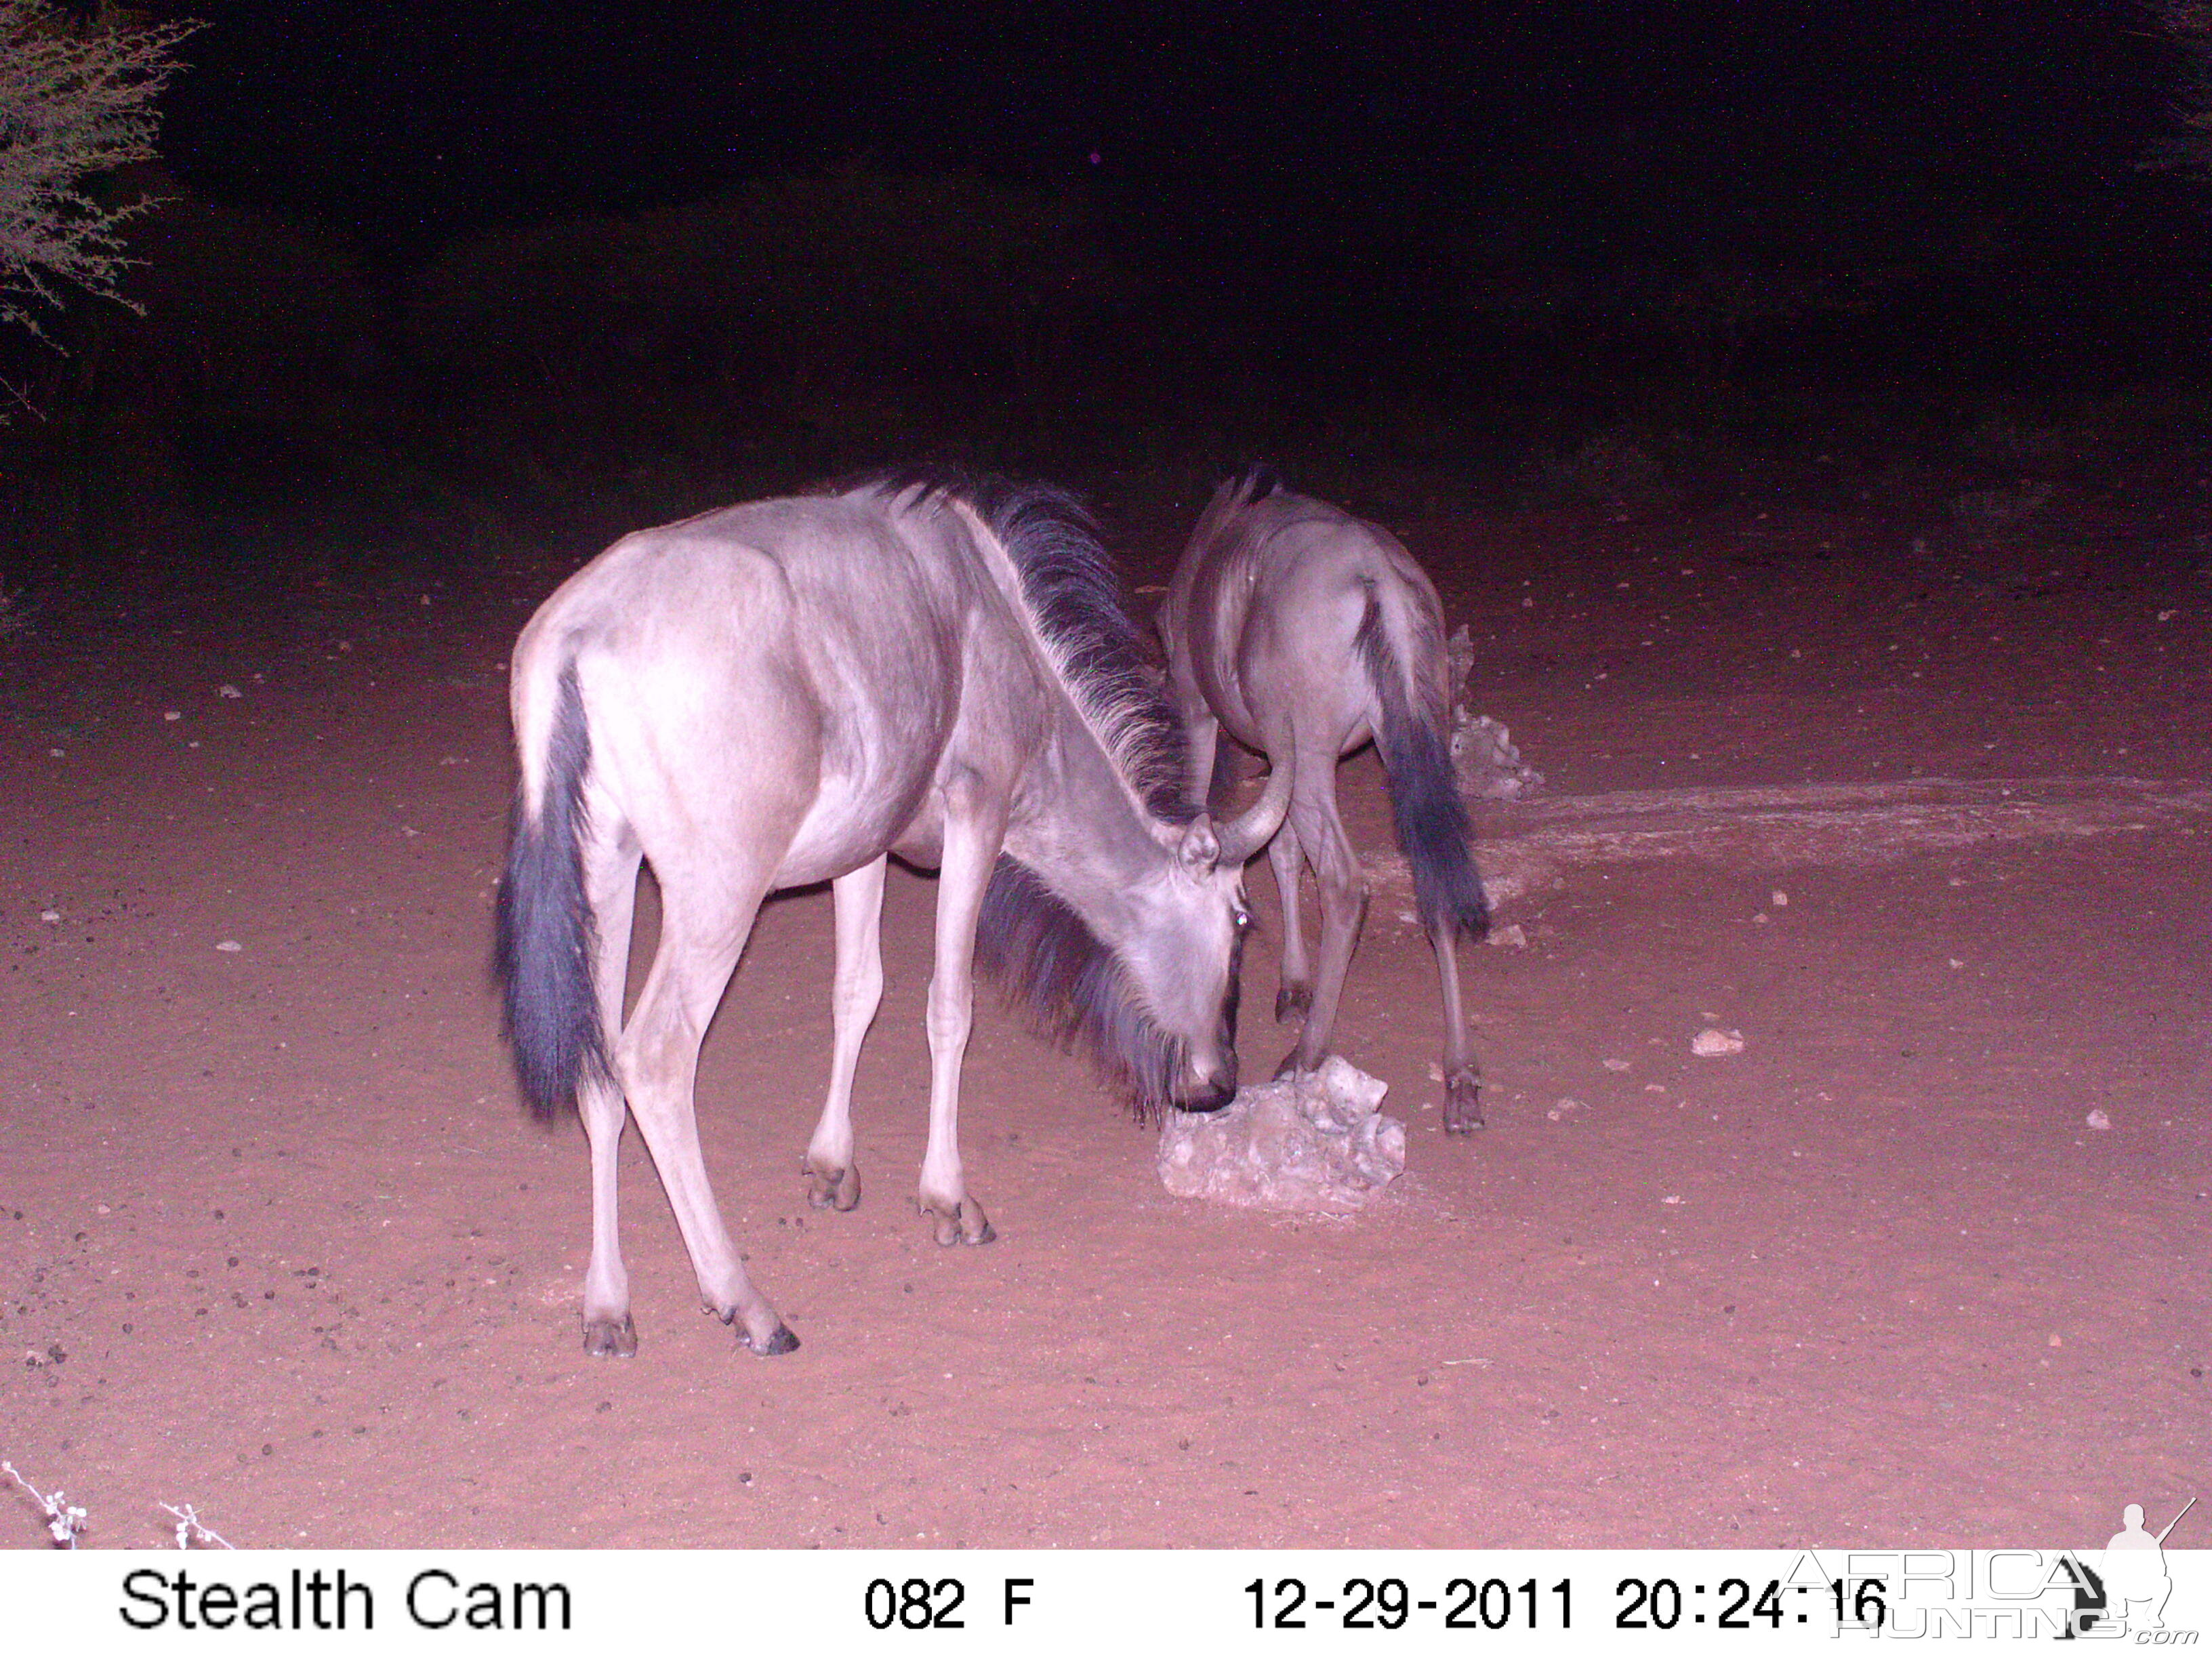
1303 632
786 692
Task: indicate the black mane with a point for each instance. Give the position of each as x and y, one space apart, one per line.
1074 987
1076 598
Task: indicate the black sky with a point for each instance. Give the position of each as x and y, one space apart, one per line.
1532 134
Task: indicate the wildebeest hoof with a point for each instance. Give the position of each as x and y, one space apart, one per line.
1291 1067
779 1340
1293 1002
833 1189
1463 1104
964 1225
611 1339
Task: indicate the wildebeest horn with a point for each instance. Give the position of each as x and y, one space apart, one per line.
1248 834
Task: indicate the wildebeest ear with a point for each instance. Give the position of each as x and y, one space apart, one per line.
1198 850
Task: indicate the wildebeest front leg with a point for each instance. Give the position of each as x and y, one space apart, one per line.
1343 904
1294 994
1462 1083
973 833
1202 739
833 1179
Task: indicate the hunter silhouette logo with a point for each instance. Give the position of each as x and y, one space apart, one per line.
2136 1583
2127 1590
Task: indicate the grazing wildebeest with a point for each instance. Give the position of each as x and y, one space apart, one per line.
787 692
1304 631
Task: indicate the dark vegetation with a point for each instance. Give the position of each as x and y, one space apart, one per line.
1720 257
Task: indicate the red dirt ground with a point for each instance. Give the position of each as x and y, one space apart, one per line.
276 1241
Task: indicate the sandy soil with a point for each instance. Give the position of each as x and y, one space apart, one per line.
275 1239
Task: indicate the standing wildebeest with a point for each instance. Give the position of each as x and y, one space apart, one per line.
787 692
1305 631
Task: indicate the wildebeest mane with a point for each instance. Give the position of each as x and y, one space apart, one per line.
1074 986
1075 598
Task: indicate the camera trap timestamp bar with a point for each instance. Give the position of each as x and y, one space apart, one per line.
994 1602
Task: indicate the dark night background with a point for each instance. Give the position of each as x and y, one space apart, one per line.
585 265
1801 410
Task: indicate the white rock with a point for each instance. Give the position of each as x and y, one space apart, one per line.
230 944
2097 1119
1487 764
1509 936
172 714
228 691
1712 1043
1313 1143
51 918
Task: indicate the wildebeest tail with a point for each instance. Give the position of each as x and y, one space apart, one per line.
546 937
1433 831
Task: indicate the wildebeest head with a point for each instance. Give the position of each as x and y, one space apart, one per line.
1185 953
1149 983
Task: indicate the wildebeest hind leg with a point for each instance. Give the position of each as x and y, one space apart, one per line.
1463 1082
704 922
833 1178
611 883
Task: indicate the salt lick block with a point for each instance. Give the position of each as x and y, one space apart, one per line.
1313 1143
